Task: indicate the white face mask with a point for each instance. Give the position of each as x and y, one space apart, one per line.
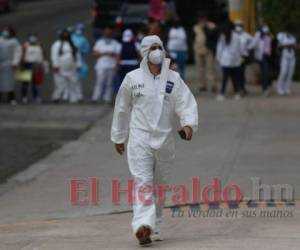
5 34
156 56
265 29
238 29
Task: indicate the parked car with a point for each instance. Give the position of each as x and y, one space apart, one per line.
134 14
7 5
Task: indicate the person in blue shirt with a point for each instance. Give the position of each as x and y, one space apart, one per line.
82 44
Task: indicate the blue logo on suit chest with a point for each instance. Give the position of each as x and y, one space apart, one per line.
169 87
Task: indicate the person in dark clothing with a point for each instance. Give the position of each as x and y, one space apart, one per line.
263 53
129 56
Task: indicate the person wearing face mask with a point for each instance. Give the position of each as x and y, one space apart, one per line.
10 58
287 44
246 43
148 100
262 52
82 44
230 58
66 63
129 55
177 45
107 52
32 60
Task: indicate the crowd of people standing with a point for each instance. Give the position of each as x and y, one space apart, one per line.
220 52
231 49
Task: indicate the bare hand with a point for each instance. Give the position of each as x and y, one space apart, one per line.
188 132
120 148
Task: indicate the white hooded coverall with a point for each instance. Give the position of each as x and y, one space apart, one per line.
144 111
65 80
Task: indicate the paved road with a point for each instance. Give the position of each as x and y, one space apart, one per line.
46 18
31 132
254 137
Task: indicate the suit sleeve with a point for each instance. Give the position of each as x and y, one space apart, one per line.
17 56
186 107
122 111
54 55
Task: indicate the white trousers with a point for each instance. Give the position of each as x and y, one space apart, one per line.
148 166
65 88
104 84
287 69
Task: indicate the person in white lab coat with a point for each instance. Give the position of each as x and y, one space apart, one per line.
66 63
230 58
177 45
146 103
246 46
287 43
10 57
107 51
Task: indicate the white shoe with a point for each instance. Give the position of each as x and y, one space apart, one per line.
280 92
288 92
157 236
25 100
13 102
266 93
220 98
237 97
38 100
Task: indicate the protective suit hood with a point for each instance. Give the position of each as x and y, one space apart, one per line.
147 42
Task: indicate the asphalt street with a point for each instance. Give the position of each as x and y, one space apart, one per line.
28 133
45 18
237 140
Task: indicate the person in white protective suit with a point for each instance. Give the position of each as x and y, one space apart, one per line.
287 43
146 103
66 63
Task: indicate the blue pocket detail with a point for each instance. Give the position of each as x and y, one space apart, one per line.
169 87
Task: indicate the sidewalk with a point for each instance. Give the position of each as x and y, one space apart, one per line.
255 137
112 232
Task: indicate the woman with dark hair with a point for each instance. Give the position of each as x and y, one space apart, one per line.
66 63
10 57
229 58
